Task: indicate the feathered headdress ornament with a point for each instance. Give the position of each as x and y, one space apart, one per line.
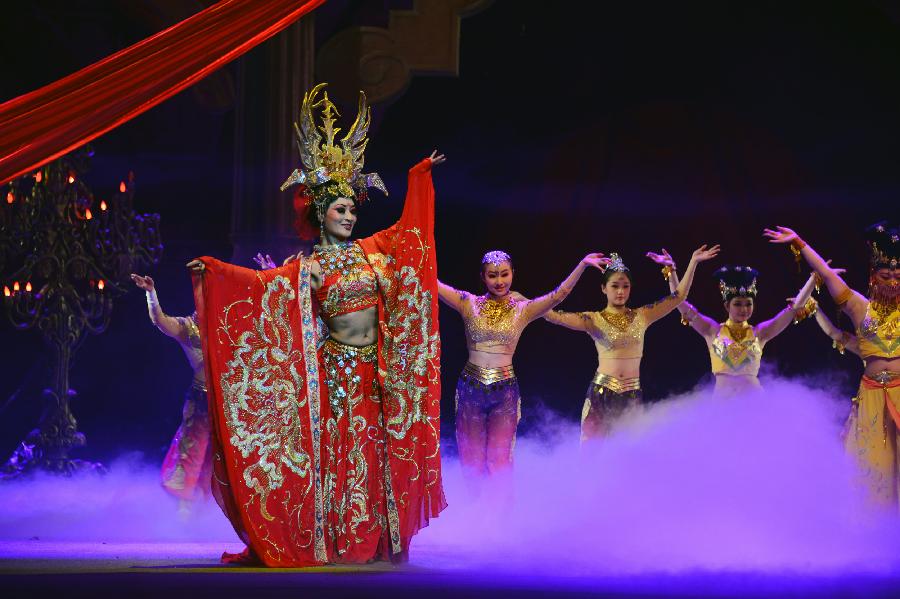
329 170
737 281
884 243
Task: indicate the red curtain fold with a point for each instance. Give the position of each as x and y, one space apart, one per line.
42 125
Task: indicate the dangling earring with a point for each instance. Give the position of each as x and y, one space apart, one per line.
320 214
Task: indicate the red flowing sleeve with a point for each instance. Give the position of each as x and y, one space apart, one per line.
404 261
259 348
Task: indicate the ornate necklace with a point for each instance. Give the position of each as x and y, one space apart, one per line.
883 309
618 320
494 311
738 332
339 257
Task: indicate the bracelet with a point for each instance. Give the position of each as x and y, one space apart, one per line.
808 309
818 281
685 320
797 244
667 271
843 297
840 345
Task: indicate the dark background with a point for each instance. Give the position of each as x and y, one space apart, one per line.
628 128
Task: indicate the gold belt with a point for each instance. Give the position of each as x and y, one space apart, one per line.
885 376
365 353
617 385
488 376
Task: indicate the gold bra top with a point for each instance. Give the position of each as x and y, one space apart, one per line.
736 350
879 332
493 326
618 335
348 281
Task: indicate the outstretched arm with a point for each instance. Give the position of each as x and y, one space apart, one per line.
840 338
577 321
657 310
539 306
768 330
704 325
452 297
852 302
169 325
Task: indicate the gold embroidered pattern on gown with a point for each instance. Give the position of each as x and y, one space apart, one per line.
260 387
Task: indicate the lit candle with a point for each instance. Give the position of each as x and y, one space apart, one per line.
100 285
71 179
102 204
87 214
16 286
38 176
10 198
122 187
6 291
28 286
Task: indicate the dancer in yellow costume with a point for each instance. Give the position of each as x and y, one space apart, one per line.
736 346
874 419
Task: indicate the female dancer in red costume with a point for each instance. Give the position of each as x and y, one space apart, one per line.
487 393
327 450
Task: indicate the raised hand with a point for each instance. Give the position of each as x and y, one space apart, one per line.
196 265
597 260
663 259
436 158
780 235
291 258
145 283
702 253
265 262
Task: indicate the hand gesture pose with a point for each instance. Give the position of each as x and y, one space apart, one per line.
702 253
436 158
780 235
596 260
265 262
196 266
663 259
145 283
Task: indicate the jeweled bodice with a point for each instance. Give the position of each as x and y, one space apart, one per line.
618 334
735 350
493 325
879 332
348 281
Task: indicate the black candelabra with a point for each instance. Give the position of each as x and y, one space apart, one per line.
64 257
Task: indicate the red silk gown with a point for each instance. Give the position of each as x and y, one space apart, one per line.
274 474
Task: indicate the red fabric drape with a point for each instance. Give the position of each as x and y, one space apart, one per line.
44 124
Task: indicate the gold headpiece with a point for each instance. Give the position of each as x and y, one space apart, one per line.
324 161
737 281
616 263
884 243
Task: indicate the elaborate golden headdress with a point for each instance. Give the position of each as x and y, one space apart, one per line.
324 162
884 244
737 281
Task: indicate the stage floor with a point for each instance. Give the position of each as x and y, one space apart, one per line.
80 569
